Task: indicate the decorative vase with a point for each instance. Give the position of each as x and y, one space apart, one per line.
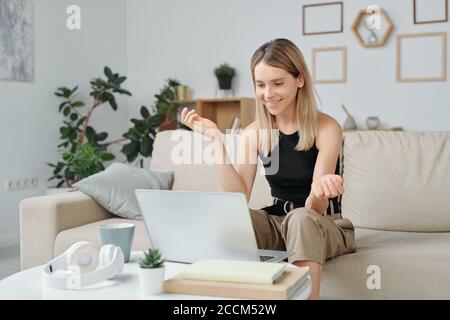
372 38
349 123
373 123
152 280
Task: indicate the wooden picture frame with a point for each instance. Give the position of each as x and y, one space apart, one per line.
442 6
339 74
335 9
424 57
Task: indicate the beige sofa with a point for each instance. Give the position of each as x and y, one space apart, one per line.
397 194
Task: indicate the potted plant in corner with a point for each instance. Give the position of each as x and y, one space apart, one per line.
224 74
151 272
84 150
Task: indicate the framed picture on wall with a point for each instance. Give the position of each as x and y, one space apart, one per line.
322 18
17 40
329 65
421 57
430 11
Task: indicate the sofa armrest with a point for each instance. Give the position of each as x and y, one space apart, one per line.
43 217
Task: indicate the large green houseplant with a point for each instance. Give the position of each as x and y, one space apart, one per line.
165 105
83 149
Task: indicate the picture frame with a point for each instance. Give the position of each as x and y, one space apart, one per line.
313 21
430 11
428 58
329 65
17 41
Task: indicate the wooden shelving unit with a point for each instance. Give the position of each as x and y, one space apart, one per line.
221 111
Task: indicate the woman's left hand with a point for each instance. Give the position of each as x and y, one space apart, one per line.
328 186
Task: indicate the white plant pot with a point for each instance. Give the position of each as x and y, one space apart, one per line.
152 280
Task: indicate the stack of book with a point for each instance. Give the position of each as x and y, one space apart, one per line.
238 279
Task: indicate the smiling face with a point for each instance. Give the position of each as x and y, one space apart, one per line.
275 87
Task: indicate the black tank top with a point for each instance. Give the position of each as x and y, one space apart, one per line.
292 181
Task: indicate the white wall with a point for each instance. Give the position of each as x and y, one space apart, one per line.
29 118
187 39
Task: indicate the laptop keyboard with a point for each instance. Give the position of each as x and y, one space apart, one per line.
265 258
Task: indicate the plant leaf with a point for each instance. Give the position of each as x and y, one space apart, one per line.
107 156
62 105
144 112
132 135
73 90
66 111
123 91
156 120
108 72
102 136
113 103
77 104
146 146
130 148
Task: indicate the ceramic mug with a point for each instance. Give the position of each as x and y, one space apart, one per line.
119 234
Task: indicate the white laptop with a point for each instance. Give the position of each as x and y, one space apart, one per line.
189 225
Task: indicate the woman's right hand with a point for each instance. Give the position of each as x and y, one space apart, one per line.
202 125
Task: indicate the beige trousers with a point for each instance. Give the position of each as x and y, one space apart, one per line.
310 235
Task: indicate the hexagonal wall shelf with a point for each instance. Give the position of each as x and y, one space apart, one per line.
373 40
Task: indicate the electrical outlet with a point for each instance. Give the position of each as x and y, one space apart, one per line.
9 185
21 184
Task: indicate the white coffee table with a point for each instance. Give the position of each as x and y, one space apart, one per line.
28 284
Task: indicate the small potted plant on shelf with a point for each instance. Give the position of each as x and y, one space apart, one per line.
151 272
224 74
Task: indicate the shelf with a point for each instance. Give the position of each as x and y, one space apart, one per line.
222 111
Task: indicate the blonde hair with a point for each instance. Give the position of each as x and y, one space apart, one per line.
284 54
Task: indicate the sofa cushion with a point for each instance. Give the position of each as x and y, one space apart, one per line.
397 180
188 155
114 187
90 232
411 266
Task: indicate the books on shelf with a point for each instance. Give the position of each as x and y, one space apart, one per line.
234 271
284 287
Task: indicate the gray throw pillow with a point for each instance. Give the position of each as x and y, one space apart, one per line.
114 187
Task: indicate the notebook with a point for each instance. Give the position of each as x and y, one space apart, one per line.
234 271
284 288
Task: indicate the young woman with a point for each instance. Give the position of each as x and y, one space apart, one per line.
305 217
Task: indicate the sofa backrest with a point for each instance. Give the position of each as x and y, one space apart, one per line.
178 151
397 180
392 180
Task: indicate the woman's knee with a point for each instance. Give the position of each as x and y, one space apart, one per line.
303 216
303 221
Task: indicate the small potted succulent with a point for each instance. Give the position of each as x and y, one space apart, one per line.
151 272
224 74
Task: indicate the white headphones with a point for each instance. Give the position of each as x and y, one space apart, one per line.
82 265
